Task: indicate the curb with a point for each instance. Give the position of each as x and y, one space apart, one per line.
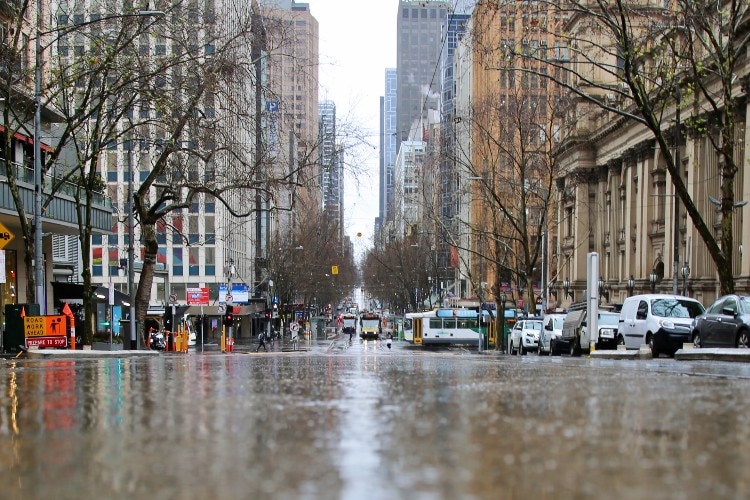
90 354
715 354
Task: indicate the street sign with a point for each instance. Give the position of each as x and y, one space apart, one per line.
222 308
47 341
228 298
5 236
173 299
197 296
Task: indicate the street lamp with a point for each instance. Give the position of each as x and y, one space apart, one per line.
501 335
652 277
630 285
685 275
566 288
602 290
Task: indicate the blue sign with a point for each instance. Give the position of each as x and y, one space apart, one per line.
272 106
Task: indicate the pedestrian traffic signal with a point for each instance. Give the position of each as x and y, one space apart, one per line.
228 319
168 319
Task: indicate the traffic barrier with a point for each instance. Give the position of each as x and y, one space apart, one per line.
230 344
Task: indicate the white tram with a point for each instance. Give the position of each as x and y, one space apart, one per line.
448 326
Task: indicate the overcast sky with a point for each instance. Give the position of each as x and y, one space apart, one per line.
357 44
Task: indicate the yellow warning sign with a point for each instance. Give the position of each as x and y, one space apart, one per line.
5 236
44 326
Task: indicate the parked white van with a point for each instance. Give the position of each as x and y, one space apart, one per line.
660 320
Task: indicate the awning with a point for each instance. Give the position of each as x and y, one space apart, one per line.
213 310
121 299
29 140
72 293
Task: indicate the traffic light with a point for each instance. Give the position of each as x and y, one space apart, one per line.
168 319
275 310
267 314
228 319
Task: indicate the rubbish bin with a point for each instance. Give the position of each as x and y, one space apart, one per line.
13 336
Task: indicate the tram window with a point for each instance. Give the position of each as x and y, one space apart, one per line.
436 323
449 323
407 324
467 323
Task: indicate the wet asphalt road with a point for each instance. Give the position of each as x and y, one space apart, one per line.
360 422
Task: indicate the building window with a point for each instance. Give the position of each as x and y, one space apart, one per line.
177 268
194 268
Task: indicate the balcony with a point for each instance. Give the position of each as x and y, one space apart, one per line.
60 216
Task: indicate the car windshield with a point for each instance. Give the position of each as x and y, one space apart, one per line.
533 325
557 323
608 319
676 308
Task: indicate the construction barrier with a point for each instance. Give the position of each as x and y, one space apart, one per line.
176 341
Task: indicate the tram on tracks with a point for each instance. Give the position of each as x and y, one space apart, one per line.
370 326
448 326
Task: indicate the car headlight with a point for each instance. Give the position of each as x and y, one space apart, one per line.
666 323
607 331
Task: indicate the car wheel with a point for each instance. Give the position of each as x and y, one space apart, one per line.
539 350
654 350
697 340
575 349
552 348
522 349
620 340
742 339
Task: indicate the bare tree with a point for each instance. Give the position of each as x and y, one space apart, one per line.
640 62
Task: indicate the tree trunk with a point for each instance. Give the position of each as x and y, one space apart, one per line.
142 297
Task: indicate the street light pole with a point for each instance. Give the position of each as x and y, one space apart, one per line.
134 340
38 254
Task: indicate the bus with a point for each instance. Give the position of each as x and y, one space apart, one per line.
369 326
448 326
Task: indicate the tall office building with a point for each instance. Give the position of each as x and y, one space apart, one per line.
387 143
331 164
418 60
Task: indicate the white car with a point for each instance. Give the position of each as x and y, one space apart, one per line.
524 336
552 331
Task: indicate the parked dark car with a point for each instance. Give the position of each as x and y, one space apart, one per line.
726 323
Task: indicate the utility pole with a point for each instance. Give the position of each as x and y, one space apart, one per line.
677 167
256 53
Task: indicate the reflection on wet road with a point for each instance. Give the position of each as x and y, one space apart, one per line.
359 421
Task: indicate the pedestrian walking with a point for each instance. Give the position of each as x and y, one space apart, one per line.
389 341
261 342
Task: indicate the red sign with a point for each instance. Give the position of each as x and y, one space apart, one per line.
197 296
47 341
